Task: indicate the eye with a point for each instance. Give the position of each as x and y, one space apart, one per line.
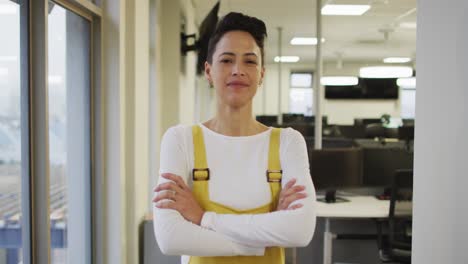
226 60
252 62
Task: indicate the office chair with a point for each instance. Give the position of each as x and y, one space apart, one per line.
307 130
268 120
375 130
366 121
331 143
395 246
352 131
293 118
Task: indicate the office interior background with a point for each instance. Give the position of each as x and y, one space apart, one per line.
87 88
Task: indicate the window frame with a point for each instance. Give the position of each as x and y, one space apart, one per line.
34 107
311 87
302 72
401 91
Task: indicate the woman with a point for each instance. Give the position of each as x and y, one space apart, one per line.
231 189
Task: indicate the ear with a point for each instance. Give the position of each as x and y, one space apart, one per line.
262 76
208 72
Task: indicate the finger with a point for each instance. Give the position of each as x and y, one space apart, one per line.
293 190
166 205
169 186
175 178
294 207
290 183
168 176
165 176
292 198
288 189
168 195
180 181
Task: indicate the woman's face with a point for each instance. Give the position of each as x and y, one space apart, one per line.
236 70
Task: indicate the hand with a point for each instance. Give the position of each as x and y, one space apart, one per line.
290 194
178 197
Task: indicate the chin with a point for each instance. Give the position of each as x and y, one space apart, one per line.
238 102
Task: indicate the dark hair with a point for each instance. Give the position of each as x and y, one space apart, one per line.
238 21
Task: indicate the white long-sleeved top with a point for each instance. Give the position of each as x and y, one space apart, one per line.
237 179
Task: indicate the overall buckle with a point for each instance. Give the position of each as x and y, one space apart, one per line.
201 174
274 178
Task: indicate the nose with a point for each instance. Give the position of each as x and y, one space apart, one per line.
237 69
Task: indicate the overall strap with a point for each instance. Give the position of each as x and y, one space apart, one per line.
274 172
200 173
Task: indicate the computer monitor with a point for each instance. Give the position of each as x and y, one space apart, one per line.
351 131
331 142
335 168
267 120
380 164
311 119
408 121
406 132
366 121
307 130
375 130
293 118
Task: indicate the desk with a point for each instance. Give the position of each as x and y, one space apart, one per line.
357 207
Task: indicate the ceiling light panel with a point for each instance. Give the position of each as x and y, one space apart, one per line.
408 25
397 60
344 10
385 72
305 41
339 80
287 59
407 82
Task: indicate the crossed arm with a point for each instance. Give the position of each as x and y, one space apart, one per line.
177 236
182 228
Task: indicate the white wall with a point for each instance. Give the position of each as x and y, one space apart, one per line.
440 231
113 80
206 100
338 111
125 93
175 74
168 64
165 80
188 86
139 176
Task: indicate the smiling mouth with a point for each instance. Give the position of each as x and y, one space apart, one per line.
237 84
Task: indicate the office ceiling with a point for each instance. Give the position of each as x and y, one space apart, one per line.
356 38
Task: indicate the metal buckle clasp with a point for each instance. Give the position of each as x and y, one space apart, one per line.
273 179
201 178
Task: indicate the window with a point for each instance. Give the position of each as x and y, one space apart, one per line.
69 102
408 102
301 94
11 76
31 117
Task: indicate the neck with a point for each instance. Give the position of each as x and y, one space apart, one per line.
235 121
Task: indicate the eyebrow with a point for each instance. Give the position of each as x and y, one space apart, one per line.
232 54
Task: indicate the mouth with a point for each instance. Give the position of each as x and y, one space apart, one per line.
237 84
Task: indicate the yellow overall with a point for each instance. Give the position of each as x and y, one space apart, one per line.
201 176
